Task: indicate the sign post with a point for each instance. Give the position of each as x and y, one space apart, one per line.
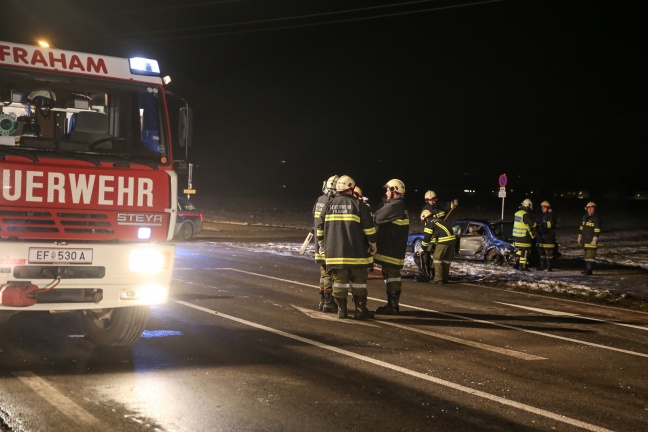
502 192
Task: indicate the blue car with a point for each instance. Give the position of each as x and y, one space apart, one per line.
478 240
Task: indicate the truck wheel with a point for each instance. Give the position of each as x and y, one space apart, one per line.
186 231
116 327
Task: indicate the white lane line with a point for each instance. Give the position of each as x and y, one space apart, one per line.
558 313
498 350
426 377
492 323
57 399
333 317
535 332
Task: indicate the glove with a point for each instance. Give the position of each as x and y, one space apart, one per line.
454 203
580 239
594 240
321 246
372 249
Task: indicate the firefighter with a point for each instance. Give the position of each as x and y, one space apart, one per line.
590 230
546 239
392 223
326 303
439 233
524 226
346 235
439 210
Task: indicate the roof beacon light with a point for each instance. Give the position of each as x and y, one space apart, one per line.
143 66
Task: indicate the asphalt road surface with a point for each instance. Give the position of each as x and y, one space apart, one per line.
241 346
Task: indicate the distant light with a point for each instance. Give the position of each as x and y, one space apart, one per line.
43 44
166 80
144 66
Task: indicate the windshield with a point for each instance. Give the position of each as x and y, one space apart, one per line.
66 114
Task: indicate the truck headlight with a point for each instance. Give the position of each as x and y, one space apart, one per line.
147 260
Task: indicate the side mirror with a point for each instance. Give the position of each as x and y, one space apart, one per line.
186 127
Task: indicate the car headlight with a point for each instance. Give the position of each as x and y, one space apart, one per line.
147 260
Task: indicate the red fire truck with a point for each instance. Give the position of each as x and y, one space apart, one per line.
88 192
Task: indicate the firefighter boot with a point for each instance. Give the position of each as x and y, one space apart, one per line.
446 272
516 265
329 305
543 264
391 308
589 265
342 307
438 273
321 303
549 264
361 311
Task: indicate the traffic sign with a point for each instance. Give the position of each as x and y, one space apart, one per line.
503 180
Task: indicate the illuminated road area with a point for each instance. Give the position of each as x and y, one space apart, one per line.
241 346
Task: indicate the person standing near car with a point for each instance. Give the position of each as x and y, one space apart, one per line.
590 230
346 236
439 210
524 226
439 233
546 239
392 223
326 303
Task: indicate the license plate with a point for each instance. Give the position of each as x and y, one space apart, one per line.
60 256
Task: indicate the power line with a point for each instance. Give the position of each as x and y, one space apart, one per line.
298 17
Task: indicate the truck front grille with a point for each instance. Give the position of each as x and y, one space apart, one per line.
69 225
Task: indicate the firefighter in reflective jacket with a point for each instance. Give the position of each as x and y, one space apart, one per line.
346 236
523 234
326 303
440 234
392 223
590 230
546 237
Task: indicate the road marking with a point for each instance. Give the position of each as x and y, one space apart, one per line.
558 313
57 399
331 317
506 326
498 350
422 376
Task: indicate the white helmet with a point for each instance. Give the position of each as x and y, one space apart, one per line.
590 204
344 183
329 185
527 203
396 185
425 214
43 100
357 191
430 194
545 204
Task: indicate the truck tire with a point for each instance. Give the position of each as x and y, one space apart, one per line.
122 327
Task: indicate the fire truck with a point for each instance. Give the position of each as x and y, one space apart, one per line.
88 191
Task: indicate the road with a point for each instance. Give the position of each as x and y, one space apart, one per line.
241 347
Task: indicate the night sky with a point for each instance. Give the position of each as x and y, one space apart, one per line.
441 94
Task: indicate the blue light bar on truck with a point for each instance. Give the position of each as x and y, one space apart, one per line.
144 66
